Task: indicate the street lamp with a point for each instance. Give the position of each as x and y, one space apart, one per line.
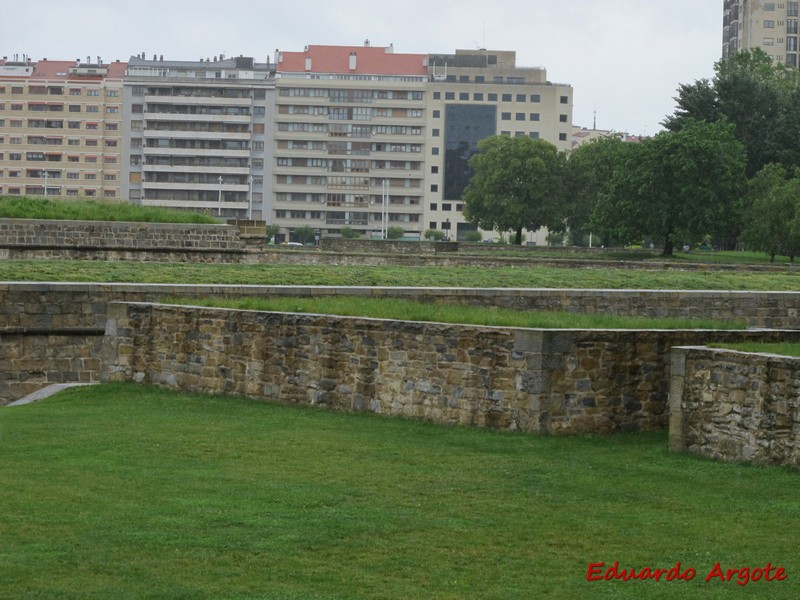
219 213
250 198
45 184
384 207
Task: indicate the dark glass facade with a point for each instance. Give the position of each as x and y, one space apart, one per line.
465 126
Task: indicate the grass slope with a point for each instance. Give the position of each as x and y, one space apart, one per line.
128 491
504 277
94 210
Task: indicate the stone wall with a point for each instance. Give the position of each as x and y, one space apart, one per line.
84 304
108 240
33 359
543 381
735 406
388 247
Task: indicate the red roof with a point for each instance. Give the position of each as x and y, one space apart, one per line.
59 69
370 60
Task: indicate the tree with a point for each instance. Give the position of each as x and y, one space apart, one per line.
395 233
304 234
518 184
434 234
272 231
350 233
772 224
590 170
678 185
757 96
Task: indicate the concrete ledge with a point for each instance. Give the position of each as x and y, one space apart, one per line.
46 392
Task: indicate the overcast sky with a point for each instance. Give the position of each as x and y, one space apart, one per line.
624 58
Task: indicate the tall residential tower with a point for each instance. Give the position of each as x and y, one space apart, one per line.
771 26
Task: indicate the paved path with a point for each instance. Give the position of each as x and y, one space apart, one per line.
45 393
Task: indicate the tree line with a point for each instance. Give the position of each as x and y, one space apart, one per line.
725 170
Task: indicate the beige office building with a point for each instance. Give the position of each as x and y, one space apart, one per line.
60 128
771 26
474 94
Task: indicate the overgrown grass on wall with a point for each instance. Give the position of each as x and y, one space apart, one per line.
134 492
407 310
94 210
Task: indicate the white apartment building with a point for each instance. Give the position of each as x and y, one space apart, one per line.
199 135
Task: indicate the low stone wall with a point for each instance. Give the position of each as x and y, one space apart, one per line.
543 381
33 359
108 240
84 304
735 406
389 247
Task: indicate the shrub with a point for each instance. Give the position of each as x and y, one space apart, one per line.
350 233
395 233
473 236
434 234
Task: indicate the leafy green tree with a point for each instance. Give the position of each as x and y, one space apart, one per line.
473 236
677 185
272 231
395 233
434 234
590 170
350 233
757 96
518 184
773 223
304 234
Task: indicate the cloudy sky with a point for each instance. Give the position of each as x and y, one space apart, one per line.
624 58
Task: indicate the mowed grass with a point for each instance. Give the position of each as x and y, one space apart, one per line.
125 491
408 310
783 349
512 276
14 207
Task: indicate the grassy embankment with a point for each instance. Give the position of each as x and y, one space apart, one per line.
127 491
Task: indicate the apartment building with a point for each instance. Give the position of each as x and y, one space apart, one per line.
771 26
198 135
349 140
474 94
60 128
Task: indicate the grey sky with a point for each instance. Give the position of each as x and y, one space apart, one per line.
624 58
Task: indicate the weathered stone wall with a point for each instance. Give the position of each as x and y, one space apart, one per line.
545 381
390 247
33 359
735 406
107 240
83 304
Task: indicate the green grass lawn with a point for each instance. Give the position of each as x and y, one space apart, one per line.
14 207
784 349
408 310
505 277
124 491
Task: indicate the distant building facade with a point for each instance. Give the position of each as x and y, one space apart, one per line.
330 137
771 26
199 135
60 128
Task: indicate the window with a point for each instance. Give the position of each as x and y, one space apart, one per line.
434 206
564 100
463 96
14 156
506 116
92 108
112 93
16 107
506 97
769 24
258 128
74 92
435 151
112 109
520 116
434 188
435 133
492 97
464 78
111 143
93 93
74 124
74 108
477 97
791 44
520 97
437 95
111 126
562 137
536 98
91 126
447 207
535 116
437 114
562 118
72 175
449 95
434 169
480 79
